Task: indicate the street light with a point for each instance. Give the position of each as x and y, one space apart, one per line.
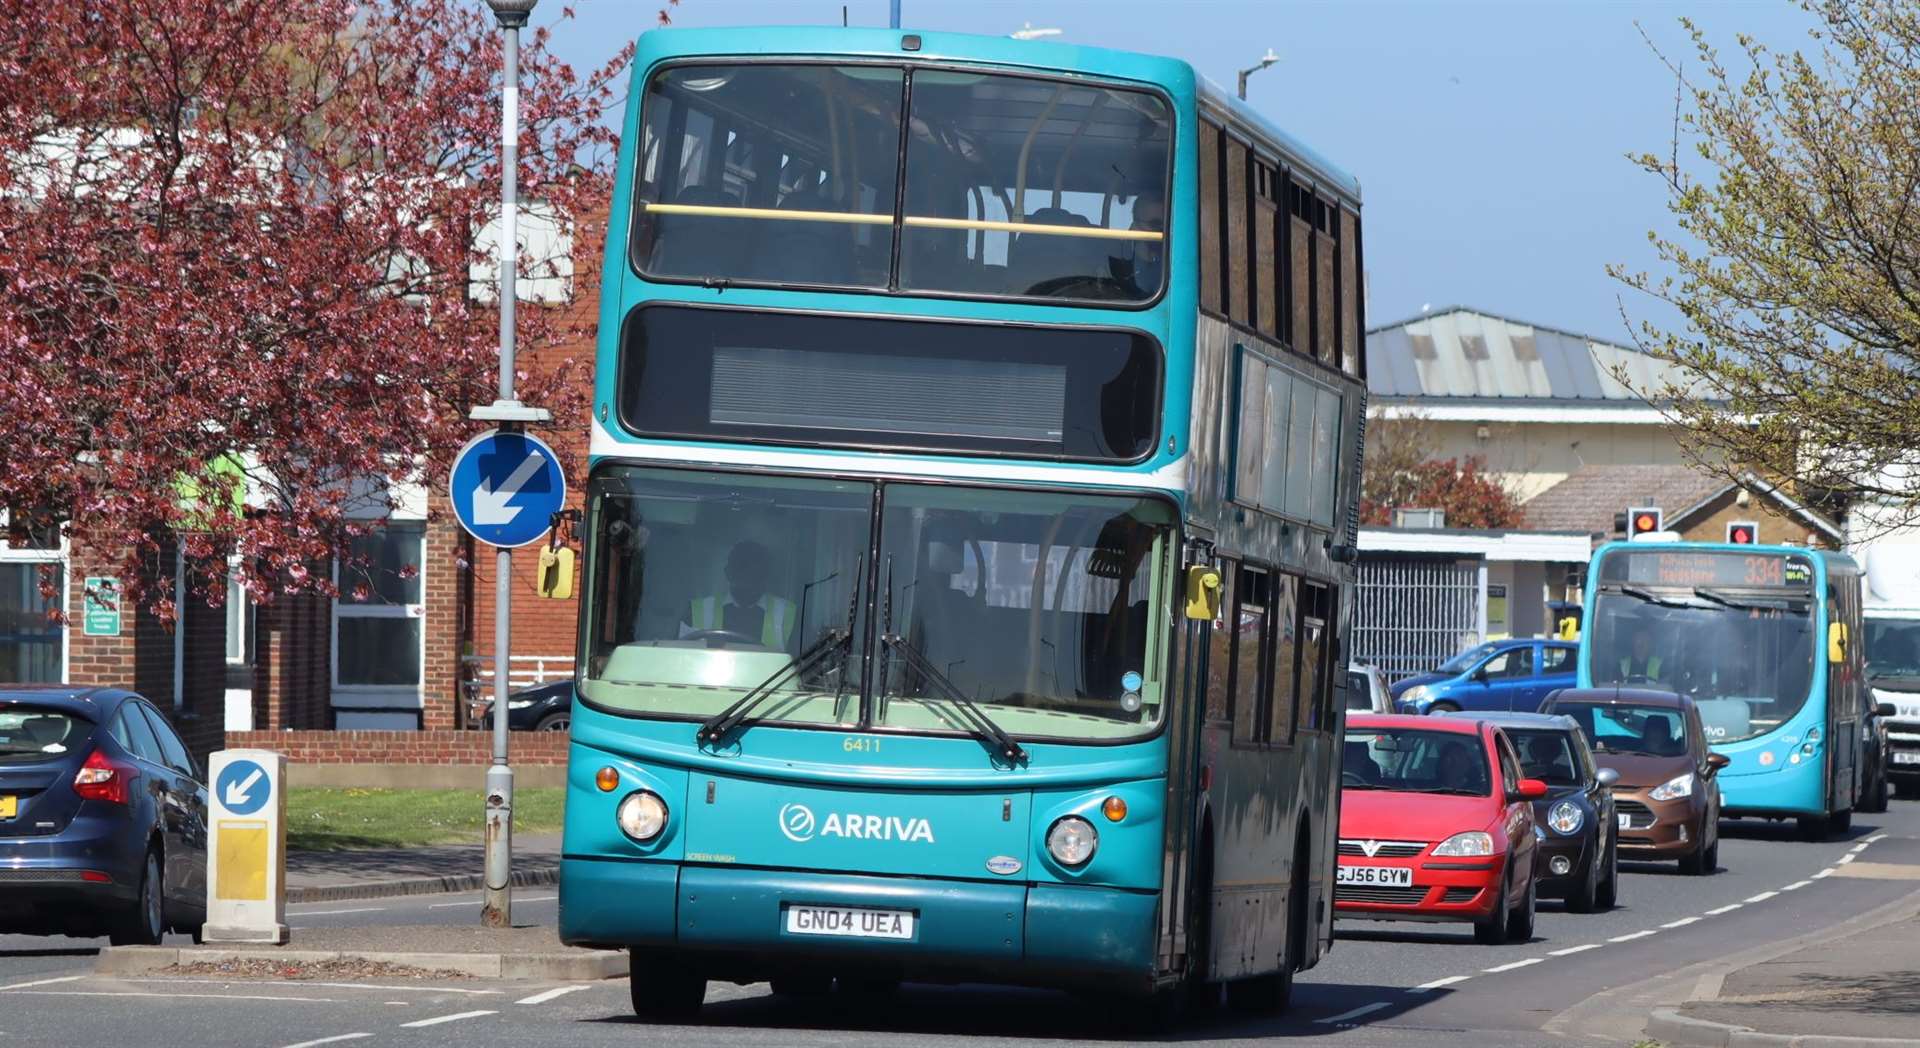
1265 60
496 910
1028 32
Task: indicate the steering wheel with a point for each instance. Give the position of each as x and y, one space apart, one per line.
710 636
1084 287
1353 778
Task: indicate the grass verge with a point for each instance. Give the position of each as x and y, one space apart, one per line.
339 819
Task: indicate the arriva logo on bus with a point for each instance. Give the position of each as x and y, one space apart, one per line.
799 823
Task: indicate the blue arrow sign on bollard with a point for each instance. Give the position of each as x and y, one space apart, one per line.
243 788
506 487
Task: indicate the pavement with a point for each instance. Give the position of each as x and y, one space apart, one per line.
337 876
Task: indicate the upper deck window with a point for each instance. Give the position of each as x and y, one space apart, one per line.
788 174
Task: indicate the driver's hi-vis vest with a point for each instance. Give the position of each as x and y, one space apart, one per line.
775 622
1653 667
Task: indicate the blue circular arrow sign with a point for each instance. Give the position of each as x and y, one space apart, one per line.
506 487
243 788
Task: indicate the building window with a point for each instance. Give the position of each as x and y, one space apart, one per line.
32 646
377 620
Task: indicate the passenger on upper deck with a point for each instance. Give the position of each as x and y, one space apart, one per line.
746 610
1139 270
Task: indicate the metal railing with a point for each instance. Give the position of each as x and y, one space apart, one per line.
524 671
1411 616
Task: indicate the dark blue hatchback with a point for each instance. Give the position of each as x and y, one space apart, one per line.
103 817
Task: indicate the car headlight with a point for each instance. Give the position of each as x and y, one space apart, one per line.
1566 817
519 704
1072 840
1466 845
1673 789
1416 694
642 815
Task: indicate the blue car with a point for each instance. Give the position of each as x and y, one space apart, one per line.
1503 675
103 817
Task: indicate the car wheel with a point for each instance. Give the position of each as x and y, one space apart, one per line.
1877 797
1584 896
145 922
1520 921
1443 707
664 988
558 721
1493 930
1608 894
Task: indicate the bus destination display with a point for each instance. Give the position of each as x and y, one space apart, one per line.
1709 568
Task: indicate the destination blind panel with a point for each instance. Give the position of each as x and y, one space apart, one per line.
882 383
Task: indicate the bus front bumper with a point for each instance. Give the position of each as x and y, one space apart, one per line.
733 924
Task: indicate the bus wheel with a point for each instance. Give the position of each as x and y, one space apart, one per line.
802 986
1813 827
1840 822
664 988
1262 994
1876 800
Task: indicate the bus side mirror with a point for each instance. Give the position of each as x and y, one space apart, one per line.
1203 593
553 579
1836 642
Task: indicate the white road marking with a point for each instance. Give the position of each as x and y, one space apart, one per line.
1511 966
1365 1009
476 902
1437 983
1725 909
1796 886
1823 874
1633 935
42 982
1762 897
330 913
1858 848
1845 859
1681 923
1582 948
548 995
330 1040
208 996
1876 837
457 1016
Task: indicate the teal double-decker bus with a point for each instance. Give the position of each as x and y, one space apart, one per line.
1766 641
968 533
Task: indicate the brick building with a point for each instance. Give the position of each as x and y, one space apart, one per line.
1698 506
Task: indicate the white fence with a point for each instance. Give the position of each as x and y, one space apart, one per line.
1412 615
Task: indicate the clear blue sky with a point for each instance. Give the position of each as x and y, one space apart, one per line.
1488 137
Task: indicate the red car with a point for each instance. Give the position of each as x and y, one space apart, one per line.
1436 824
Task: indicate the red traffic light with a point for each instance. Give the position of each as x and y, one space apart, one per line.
1643 520
1743 533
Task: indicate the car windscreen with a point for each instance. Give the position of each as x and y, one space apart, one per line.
1548 756
38 733
1654 731
1459 663
1359 692
1414 760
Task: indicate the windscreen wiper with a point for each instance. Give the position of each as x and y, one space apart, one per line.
833 639
1784 602
1642 593
977 719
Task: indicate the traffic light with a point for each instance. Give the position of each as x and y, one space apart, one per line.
1743 532
1642 520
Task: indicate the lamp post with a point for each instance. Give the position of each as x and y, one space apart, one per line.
1265 60
496 909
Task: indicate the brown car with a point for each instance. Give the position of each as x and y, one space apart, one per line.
1666 802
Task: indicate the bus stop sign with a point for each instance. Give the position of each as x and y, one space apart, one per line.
506 487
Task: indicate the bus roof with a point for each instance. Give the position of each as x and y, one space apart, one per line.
1172 74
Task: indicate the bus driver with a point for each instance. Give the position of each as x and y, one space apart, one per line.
746 609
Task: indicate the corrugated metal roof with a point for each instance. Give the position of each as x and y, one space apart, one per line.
1464 353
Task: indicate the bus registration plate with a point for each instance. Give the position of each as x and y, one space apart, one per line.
857 922
1386 876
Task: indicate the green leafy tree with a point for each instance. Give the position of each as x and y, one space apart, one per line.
1795 270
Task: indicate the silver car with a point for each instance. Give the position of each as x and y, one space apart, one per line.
1367 690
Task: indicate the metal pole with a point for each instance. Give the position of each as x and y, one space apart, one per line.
1243 85
496 909
893 14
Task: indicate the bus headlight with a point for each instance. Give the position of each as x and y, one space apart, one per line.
642 815
1565 818
1072 840
1673 789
